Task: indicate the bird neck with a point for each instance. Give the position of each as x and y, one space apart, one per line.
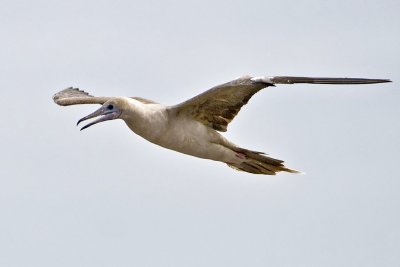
146 120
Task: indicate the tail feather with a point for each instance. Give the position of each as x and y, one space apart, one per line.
257 163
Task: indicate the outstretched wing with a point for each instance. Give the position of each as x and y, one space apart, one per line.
316 80
218 106
74 96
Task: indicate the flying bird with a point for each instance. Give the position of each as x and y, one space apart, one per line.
193 127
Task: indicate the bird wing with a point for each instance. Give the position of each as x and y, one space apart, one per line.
74 96
217 107
317 80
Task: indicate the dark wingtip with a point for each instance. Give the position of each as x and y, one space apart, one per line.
325 80
362 81
349 81
380 81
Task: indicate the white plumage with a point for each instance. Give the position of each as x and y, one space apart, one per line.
193 126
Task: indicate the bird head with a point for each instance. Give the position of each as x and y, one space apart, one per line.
110 110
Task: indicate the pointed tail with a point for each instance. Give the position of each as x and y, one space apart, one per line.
258 163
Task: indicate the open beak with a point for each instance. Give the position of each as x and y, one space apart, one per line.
104 112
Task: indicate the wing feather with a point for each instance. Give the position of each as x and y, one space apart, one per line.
317 80
74 96
218 106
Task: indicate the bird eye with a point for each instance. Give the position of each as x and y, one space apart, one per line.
110 107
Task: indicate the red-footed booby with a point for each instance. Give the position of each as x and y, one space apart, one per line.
192 126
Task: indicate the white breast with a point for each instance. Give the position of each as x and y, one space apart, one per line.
178 133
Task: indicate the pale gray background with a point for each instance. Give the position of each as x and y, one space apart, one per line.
106 197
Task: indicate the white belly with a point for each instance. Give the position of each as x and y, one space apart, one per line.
189 137
194 138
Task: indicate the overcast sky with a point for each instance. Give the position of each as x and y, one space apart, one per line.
107 197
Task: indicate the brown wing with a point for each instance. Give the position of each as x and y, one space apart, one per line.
74 96
218 106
